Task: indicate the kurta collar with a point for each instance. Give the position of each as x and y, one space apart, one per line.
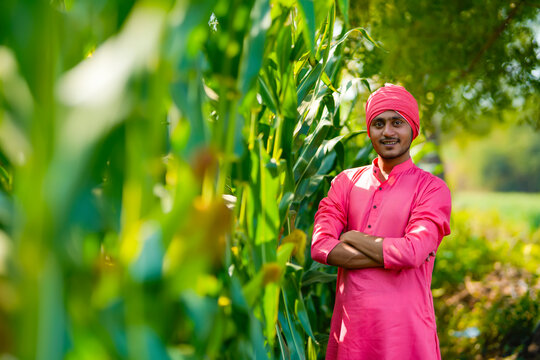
406 165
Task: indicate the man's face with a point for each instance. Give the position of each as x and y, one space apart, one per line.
391 136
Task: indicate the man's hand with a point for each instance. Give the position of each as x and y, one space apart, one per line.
430 255
367 244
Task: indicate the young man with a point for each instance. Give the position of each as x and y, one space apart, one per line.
381 225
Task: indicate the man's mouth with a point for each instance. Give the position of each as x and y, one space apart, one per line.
389 142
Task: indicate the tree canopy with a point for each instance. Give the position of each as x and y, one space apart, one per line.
461 59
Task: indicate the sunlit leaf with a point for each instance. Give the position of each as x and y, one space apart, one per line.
308 10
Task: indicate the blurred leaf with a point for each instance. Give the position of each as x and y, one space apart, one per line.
313 277
270 306
265 186
344 8
148 264
202 312
366 84
254 47
311 350
188 96
284 253
298 239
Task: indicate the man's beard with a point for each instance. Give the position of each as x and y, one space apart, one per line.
395 156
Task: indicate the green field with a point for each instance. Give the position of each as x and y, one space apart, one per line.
507 206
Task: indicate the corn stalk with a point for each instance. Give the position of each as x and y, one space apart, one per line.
161 164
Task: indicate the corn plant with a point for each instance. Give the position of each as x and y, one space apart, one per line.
160 166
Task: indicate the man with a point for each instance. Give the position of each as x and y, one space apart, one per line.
381 225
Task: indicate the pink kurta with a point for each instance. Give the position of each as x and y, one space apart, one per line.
385 313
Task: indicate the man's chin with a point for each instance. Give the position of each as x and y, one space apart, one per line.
389 156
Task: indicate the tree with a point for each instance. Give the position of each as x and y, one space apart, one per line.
460 58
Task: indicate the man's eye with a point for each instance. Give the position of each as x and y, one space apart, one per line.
379 124
398 122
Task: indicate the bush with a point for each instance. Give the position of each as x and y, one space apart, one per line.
486 286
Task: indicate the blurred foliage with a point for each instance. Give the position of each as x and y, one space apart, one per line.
461 59
486 283
160 166
507 159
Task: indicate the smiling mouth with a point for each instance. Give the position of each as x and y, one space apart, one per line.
389 142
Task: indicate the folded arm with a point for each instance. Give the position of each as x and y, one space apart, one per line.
428 224
330 221
348 257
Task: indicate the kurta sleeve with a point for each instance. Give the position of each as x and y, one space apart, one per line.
429 222
331 218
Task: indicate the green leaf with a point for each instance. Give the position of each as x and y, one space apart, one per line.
361 31
283 48
252 56
187 38
294 340
311 277
300 310
326 80
289 97
344 8
328 163
311 149
307 9
284 204
257 338
308 81
284 253
312 165
366 84
270 309
188 96
267 95
362 157
293 300
283 348
264 192
312 350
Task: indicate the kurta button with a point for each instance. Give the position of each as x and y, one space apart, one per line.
374 206
380 188
369 226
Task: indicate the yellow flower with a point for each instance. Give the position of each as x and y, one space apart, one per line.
224 301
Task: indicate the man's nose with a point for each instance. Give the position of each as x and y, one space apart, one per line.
388 129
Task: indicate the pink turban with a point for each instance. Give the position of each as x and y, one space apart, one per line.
396 98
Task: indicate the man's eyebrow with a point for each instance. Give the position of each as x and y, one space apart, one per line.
394 117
